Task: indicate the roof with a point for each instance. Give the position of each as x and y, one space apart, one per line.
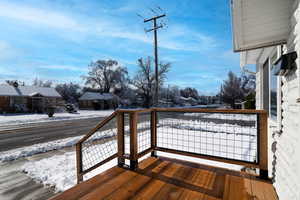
260 23
8 90
254 56
97 96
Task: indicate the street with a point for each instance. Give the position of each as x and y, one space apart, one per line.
19 136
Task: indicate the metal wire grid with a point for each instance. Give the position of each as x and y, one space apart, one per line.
126 133
100 146
144 131
229 136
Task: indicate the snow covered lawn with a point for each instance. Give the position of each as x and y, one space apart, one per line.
37 148
226 140
60 170
12 119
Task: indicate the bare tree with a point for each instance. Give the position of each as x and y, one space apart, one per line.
144 79
106 75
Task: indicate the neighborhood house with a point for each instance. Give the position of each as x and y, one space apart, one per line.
17 98
98 101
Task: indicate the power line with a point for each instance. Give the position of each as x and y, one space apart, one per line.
154 29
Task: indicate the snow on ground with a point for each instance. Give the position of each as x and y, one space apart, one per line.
60 170
49 146
13 119
37 148
224 116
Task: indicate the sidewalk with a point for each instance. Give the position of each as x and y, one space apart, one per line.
16 185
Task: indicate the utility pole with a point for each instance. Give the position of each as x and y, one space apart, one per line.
154 29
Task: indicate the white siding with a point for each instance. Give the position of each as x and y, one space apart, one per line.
287 167
259 23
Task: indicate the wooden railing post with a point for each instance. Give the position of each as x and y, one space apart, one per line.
153 133
133 141
263 145
120 129
79 163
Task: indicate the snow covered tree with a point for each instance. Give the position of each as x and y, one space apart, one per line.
189 92
106 75
237 88
42 83
144 79
69 91
170 94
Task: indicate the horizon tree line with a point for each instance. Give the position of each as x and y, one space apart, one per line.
108 76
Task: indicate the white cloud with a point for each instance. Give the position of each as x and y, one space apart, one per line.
38 16
64 67
177 37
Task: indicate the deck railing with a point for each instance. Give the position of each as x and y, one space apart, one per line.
230 136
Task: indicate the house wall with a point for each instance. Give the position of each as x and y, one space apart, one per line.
4 103
284 164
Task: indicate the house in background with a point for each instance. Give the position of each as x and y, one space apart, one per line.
98 101
266 33
17 98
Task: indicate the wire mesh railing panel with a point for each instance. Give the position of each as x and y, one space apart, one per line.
223 135
144 131
100 146
126 133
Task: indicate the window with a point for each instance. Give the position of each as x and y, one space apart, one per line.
265 83
270 87
273 94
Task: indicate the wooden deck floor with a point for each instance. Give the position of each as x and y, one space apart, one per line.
164 178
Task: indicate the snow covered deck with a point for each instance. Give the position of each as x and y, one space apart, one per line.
165 178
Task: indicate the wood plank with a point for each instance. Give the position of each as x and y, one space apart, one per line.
161 178
236 111
132 187
263 141
172 190
85 187
120 128
237 188
79 162
153 129
133 140
208 157
262 190
150 190
98 126
113 184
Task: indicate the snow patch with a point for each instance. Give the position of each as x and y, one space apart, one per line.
14 119
37 148
60 170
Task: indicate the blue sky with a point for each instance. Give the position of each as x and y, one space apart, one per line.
57 39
